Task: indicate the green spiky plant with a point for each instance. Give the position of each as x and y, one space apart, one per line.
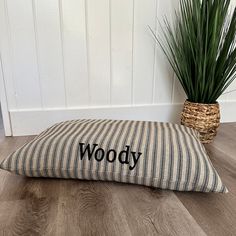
200 48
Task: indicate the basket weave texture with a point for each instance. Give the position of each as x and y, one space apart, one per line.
205 118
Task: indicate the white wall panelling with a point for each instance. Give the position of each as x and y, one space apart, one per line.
98 26
4 104
50 53
143 51
23 54
73 21
163 73
6 55
72 58
121 51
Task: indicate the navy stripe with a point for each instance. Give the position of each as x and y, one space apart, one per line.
171 165
163 156
139 150
146 152
154 156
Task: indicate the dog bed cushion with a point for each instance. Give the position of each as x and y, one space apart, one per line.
162 155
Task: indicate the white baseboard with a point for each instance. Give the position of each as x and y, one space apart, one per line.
31 122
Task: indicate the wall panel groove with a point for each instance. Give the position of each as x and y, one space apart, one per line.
110 40
87 51
155 54
60 12
6 54
37 51
132 80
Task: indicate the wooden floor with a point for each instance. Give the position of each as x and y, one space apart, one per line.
69 207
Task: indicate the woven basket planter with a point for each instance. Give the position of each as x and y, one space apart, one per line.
205 118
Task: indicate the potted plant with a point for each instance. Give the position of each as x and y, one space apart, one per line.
200 48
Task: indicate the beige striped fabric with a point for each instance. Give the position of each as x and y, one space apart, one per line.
162 155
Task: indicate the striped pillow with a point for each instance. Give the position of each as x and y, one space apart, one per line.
161 155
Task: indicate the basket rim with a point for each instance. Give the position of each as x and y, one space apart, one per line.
203 104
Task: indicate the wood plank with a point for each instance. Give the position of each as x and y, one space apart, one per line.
164 75
75 52
178 94
89 208
6 51
155 212
143 51
50 54
121 51
98 30
23 54
33 208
